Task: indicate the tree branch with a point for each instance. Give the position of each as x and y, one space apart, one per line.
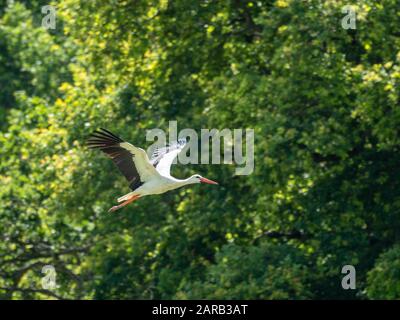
30 290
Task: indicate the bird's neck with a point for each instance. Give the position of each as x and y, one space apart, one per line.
184 182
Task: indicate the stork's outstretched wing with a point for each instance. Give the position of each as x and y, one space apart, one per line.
133 162
162 158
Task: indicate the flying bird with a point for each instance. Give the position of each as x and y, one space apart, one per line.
145 176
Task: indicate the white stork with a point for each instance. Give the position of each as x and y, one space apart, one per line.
145 176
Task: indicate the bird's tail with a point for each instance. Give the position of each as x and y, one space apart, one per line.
123 204
126 197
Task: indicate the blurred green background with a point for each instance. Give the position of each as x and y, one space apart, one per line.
324 104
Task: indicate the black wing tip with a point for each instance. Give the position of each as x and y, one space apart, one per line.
162 150
177 144
102 138
109 133
182 141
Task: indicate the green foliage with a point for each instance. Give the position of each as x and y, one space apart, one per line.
384 279
31 59
323 102
246 272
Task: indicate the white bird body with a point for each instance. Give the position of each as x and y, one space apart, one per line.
158 185
145 176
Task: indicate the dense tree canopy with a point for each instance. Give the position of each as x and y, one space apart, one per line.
323 102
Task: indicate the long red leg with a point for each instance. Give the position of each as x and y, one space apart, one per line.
123 204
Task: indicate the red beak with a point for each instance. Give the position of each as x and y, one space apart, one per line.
204 180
